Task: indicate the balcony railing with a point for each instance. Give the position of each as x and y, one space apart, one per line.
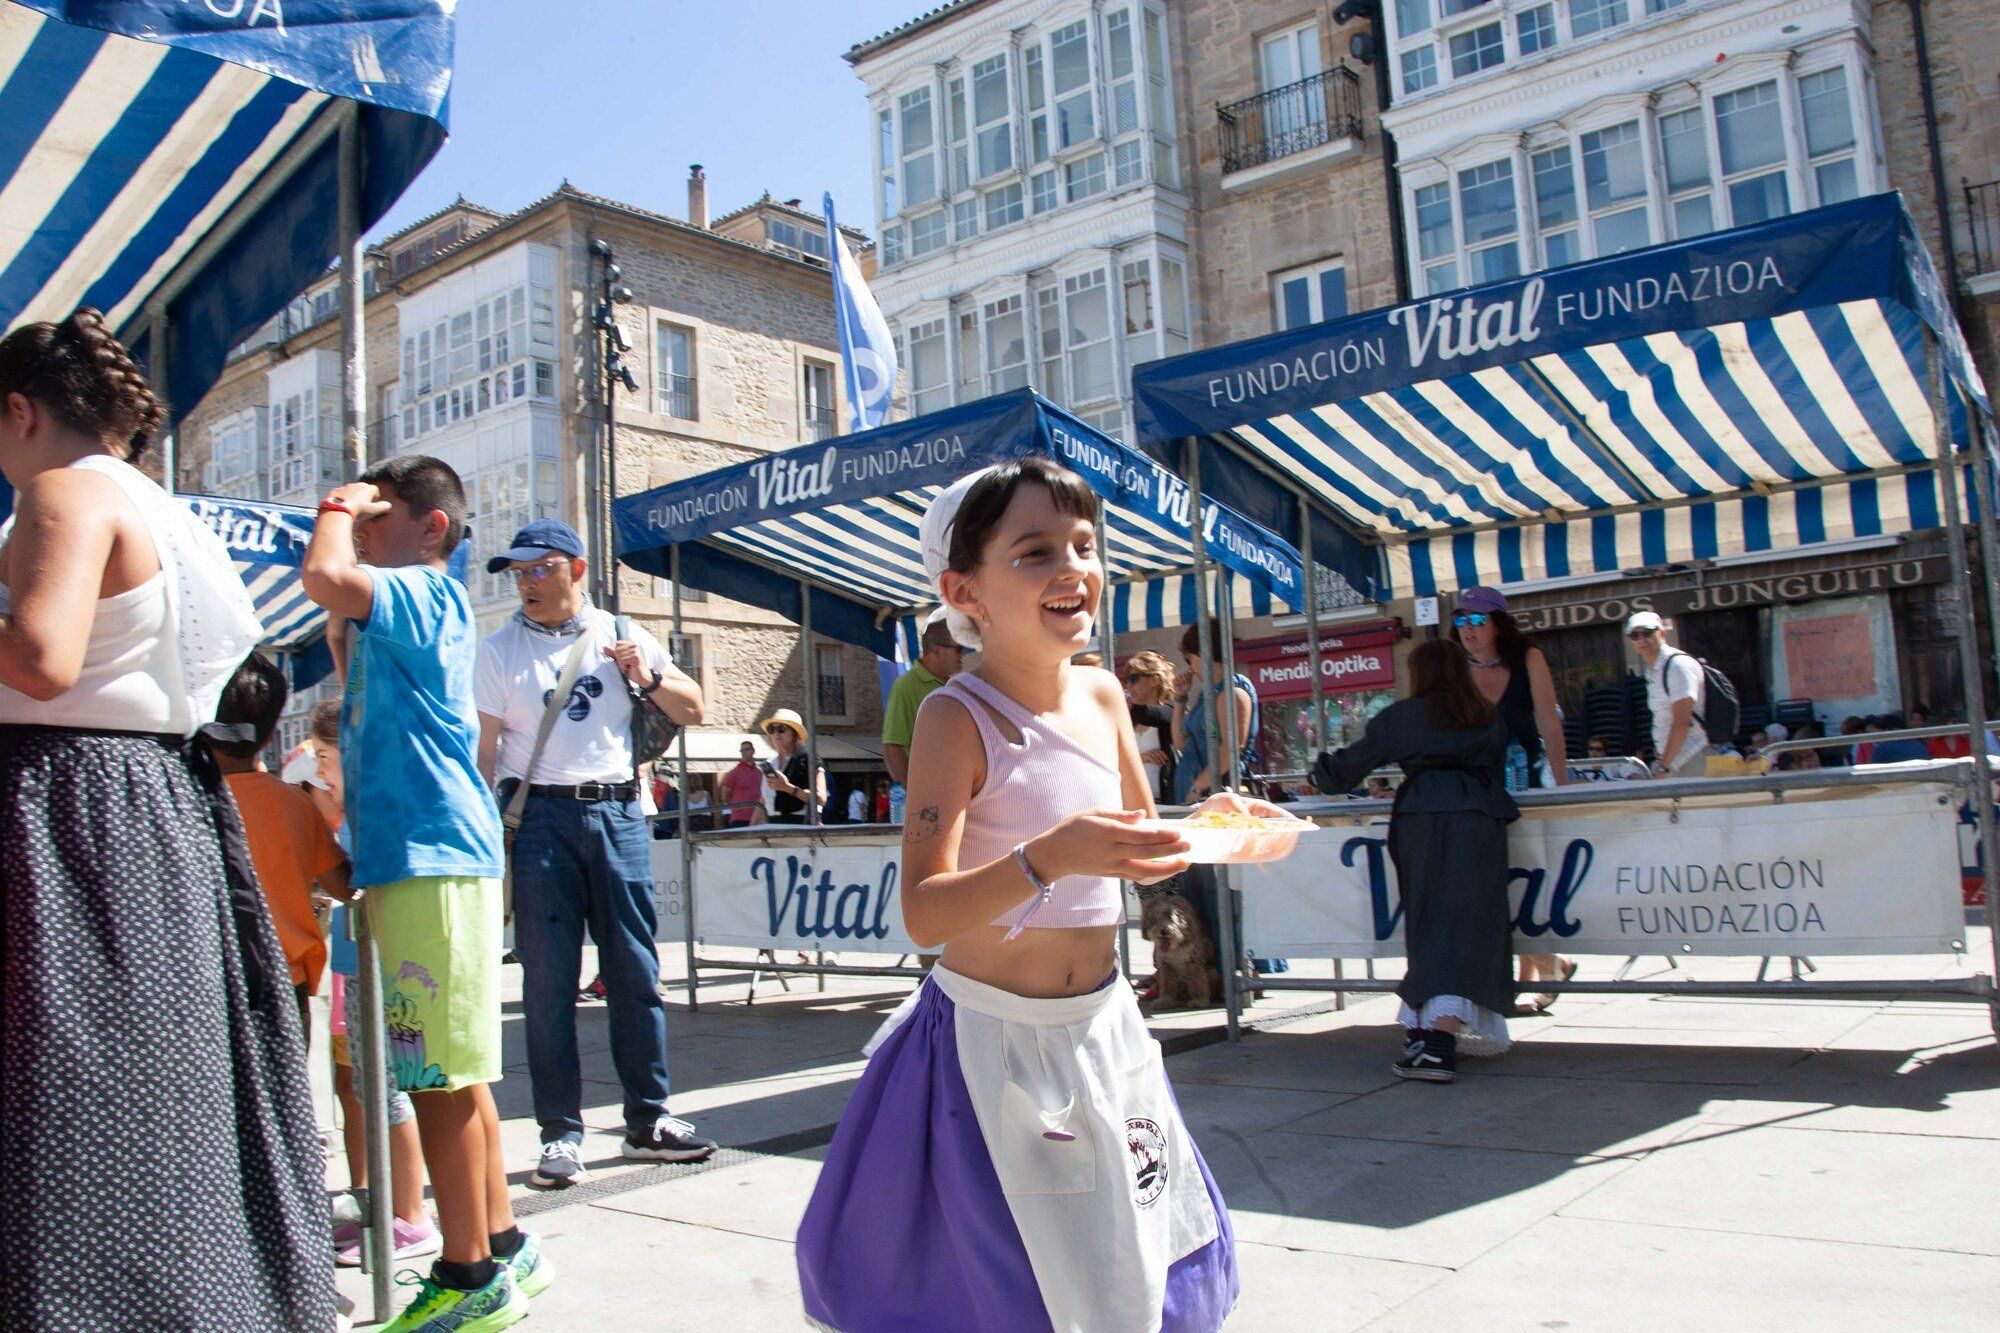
1982 216
821 424
677 396
1292 119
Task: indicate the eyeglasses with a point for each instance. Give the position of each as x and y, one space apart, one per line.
537 572
1639 634
1472 619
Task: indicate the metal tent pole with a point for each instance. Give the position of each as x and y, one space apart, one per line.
1225 596
1313 664
1312 628
1989 535
158 339
1225 915
680 787
811 672
1968 656
353 305
376 1239
1107 644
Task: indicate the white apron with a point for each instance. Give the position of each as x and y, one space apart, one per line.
1093 1159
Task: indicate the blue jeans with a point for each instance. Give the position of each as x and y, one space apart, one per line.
578 864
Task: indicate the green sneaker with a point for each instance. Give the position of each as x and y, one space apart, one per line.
533 1271
439 1309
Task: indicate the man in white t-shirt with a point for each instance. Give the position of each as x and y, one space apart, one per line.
857 805
1677 693
582 859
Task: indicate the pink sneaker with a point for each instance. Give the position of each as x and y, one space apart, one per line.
412 1241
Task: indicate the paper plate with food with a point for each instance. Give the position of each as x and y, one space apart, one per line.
1227 829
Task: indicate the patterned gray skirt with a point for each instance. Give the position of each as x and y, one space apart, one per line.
162 1166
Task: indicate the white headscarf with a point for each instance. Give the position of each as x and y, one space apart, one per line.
935 537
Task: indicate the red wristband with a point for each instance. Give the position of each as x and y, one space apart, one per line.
335 504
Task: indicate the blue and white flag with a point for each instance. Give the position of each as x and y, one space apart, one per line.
865 343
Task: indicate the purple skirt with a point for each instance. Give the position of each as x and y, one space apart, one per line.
909 1229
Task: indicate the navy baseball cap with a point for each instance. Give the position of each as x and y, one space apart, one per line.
543 537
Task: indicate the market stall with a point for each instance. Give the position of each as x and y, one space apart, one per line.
826 535
1796 382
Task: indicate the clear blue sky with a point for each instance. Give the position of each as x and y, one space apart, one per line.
621 95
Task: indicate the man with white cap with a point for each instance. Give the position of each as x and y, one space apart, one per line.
1677 692
582 860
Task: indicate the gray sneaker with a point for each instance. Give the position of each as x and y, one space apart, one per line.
667 1140
561 1166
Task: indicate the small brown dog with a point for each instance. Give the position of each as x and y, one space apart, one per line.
1182 954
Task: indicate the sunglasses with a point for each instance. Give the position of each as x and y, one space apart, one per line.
1639 634
1471 619
537 572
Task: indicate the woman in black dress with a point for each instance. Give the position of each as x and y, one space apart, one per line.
162 1167
1448 842
1514 677
792 779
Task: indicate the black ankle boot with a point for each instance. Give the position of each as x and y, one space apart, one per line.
1436 1061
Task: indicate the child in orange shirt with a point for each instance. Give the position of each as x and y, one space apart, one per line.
290 844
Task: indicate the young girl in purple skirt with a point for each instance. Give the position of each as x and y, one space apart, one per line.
1012 1158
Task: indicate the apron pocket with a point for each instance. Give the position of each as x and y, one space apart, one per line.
1149 1124
1042 1151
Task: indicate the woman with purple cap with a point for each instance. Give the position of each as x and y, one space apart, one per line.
1513 675
1012 1158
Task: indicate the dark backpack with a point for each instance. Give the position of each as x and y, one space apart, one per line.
1725 710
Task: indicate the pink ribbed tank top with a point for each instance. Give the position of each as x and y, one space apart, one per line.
1029 789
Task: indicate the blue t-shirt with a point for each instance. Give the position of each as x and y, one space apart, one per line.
409 737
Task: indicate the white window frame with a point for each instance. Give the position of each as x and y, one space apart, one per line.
1059 144
832 653
1000 128
819 396
1310 274
1002 376
1076 285
1791 142
926 397
1648 110
905 155
667 365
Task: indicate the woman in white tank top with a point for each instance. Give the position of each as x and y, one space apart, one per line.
139 969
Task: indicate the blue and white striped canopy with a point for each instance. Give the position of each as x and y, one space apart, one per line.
179 157
267 542
1748 391
844 517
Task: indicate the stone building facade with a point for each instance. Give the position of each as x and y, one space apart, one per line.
1961 53
1290 191
482 350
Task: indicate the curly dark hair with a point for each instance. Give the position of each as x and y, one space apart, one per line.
80 372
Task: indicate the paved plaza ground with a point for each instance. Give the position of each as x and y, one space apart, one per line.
1637 1162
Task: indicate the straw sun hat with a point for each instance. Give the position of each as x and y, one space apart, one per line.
785 717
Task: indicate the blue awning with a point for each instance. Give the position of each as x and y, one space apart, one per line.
1746 391
844 517
267 542
182 157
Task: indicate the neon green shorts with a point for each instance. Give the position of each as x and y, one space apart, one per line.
440 941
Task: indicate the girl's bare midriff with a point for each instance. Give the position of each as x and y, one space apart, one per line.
1039 964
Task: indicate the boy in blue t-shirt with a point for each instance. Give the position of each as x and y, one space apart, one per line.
426 845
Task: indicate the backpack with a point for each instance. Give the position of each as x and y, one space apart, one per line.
1725 710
